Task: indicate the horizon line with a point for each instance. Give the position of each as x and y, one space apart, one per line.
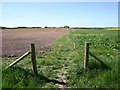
62 26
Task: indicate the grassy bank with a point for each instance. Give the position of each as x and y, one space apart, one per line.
64 63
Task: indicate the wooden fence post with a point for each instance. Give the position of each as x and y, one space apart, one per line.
86 55
33 58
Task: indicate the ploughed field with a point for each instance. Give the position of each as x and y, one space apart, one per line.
16 42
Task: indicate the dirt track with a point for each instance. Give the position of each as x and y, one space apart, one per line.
17 41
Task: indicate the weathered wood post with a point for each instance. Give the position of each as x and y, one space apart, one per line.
86 55
33 58
18 60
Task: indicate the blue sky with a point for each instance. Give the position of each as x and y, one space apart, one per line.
74 14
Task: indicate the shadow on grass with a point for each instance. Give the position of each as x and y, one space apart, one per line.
98 66
15 75
94 68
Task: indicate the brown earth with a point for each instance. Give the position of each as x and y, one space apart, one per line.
16 42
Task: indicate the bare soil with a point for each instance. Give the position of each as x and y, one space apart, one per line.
16 42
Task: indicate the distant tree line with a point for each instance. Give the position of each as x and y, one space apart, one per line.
34 27
8 28
85 28
17 27
57 27
66 27
21 27
49 27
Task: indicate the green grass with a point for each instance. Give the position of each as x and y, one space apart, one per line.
68 54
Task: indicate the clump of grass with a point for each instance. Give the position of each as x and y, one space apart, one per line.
17 77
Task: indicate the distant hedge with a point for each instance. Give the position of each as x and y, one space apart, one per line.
17 27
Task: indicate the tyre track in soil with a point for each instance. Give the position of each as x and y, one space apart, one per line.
16 42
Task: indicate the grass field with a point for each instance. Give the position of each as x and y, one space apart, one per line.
112 28
64 63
